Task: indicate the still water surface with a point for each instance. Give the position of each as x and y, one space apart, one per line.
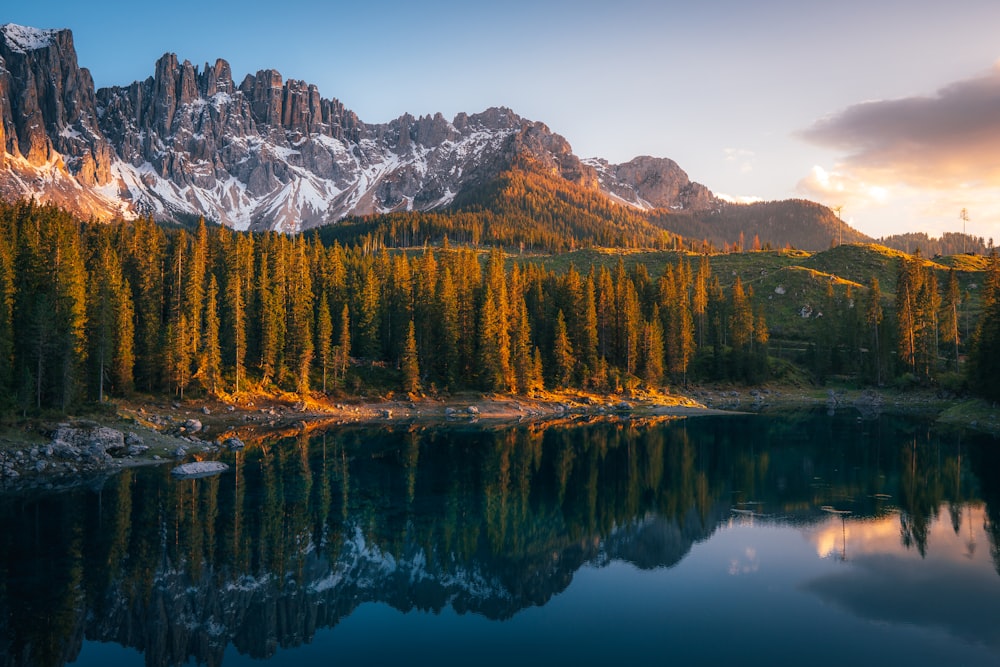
757 540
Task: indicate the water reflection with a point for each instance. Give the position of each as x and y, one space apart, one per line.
930 588
306 529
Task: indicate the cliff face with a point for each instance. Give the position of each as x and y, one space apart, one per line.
267 153
48 105
649 182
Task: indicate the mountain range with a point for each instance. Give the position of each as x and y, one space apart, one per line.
271 153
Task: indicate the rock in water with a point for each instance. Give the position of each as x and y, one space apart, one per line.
199 469
234 443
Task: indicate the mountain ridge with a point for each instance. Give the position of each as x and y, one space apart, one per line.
269 152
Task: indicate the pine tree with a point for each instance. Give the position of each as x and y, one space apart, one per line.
70 277
949 315
495 370
908 286
7 297
984 353
237 327
873 318
928 306
300 314
447 350
716 317
193 289
535 382
144 262
324 336
409 364
699 299
425 307
365 311
588 341
178 355
562 354
110 329
652 349
677 322
740 319
210 356
520 337
342 352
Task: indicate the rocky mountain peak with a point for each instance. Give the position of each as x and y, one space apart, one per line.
650 182
268 153
22 39
48 107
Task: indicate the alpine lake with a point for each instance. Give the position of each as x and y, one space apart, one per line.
798 538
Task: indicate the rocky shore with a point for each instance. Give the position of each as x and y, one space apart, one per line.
63 454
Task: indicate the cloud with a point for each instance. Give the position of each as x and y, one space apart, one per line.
891 208
742 157
842 188
738 199
885 588
948 140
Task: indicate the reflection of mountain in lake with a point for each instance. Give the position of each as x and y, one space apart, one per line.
485 522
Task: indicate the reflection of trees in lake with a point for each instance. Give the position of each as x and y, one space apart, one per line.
986 464
489 521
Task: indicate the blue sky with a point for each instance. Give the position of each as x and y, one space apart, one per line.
888 108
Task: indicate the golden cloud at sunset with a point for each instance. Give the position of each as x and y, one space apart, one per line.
948 140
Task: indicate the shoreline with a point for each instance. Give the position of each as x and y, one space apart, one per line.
155 432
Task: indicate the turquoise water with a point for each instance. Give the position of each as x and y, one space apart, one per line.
750 540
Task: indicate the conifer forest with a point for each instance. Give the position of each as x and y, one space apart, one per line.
89 311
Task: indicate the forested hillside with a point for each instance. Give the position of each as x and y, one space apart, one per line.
91 310
523 209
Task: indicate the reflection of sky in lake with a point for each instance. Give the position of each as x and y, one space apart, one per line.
954 588
753 593
735 542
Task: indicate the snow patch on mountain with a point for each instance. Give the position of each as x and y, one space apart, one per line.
22 39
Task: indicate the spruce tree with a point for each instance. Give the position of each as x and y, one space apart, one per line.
652 349
7 296
562 354
447 333
342 352
873 319
409 364
300 317
324 336
588 341
238 330
699 299
949 316
210 356
984 352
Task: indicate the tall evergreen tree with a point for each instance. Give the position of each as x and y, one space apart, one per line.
652 349
873 319
342 352
110 328
447 351
300 314
210 356
699 299
409 363
949 316
237 328
324 336
984 352
494 336
8 287
562 353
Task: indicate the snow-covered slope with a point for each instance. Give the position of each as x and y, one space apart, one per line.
266 153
